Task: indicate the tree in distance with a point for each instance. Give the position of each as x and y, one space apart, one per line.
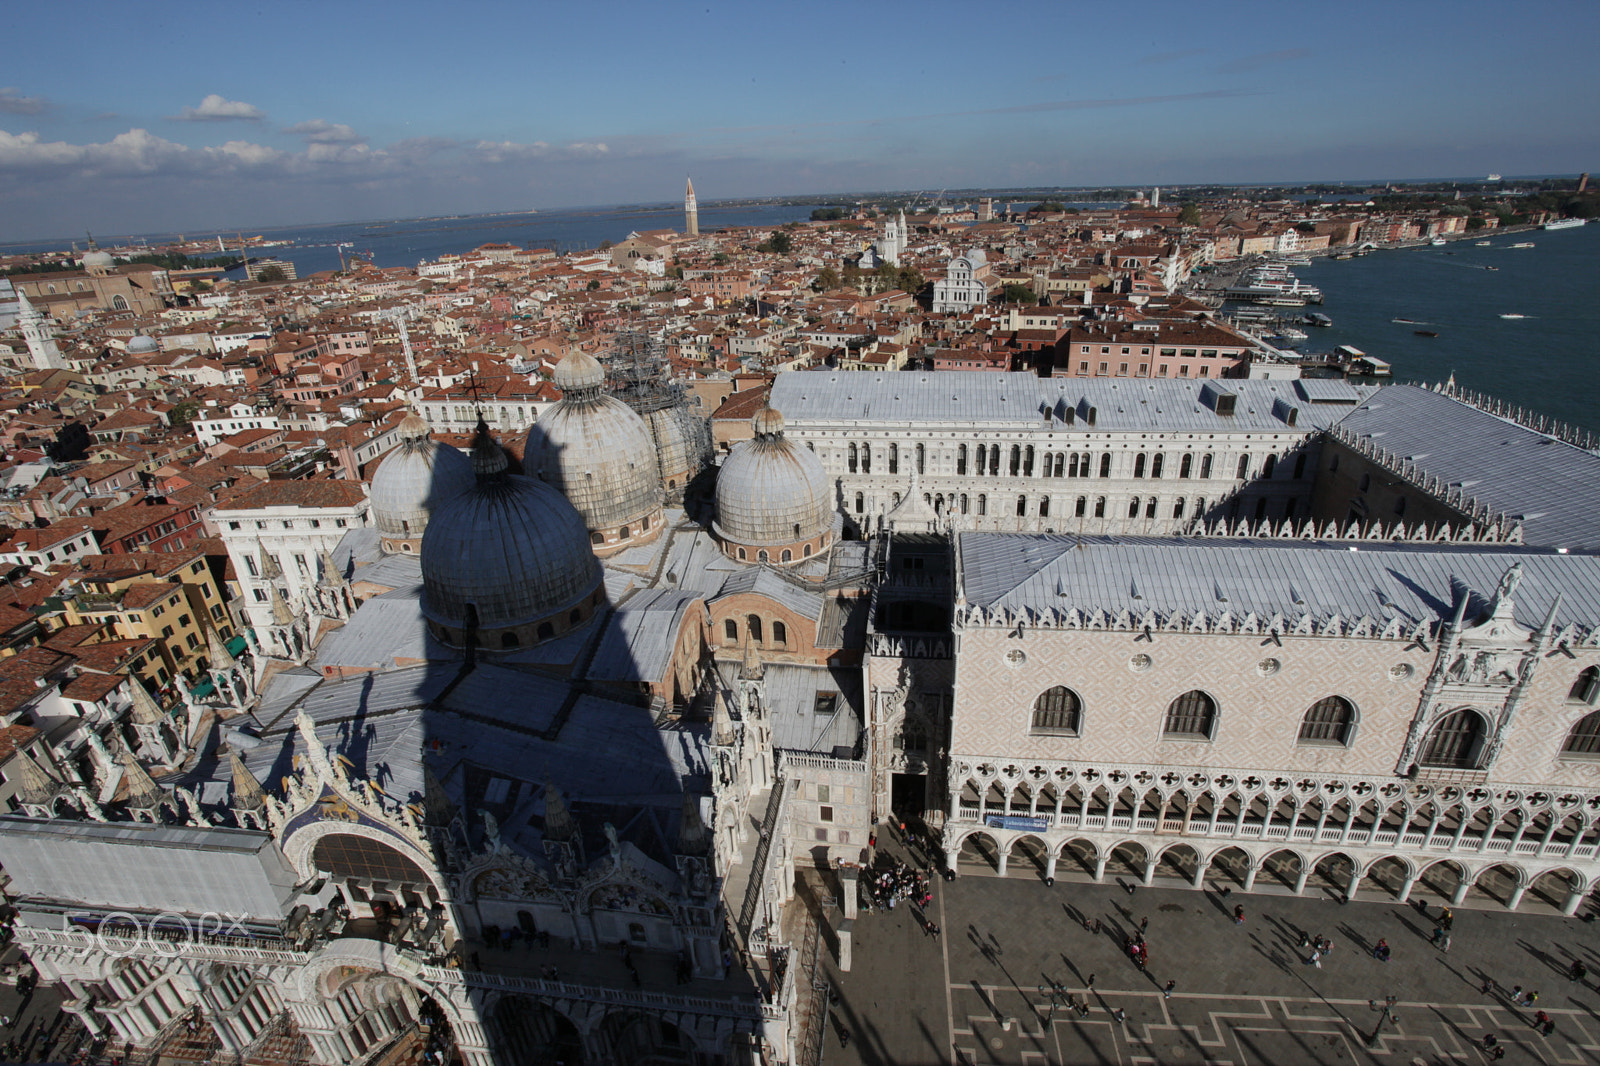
827 214
271 275
1189 215
827 278
1017 293
779 243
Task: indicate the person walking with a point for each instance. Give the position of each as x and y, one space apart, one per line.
1444 943
1578 970
1144 924
1089 987
1489 1041
1539 1018
1120 1015
1238 915
1380 950
1316 958
1438 935
1166 992
1531 999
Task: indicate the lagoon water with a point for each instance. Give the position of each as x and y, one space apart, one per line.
1546 360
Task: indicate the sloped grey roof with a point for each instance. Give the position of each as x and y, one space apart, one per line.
765 582
1018 571
392 571
388 628
640 636
1330 390
970 396
1552 485
791 698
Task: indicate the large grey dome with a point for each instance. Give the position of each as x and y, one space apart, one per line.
599 453
683 444
412 482
143 345
97 262
509 555
772 494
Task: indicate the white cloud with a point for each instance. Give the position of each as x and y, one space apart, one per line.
321 131
133 153
14 103
513 152
217 108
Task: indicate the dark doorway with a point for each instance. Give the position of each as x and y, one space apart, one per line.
908 793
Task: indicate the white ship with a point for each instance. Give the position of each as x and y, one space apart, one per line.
1563 223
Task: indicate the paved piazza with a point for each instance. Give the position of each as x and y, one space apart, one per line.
1245 994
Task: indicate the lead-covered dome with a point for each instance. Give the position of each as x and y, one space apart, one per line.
774 500
506 562
412 482
600 455
140 344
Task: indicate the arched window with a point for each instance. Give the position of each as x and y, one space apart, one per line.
741 555
509 640
1027 462
1205 465
1333 464
1099 506
574 616
994 458
597 538
546 630
1300 466
1016 459
1192 714
752 625
1022 506
1133 507
1261 508
118 303
761 556
1150 507
623 533
853 460
1585 737
1456 742
1328 722
963 503
787 556
1186 465
1366 482
1061 465
1156 462
866 458
961 459
861 503
1056 712
1105 465
1400 505
1586 687
780 633
730 629
807 552
983 504
1269 466
1244 467
1177 507
922 456
1138 465
894 458
1044 507
1072 465
1080 508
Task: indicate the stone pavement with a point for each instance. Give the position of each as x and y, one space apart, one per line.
1245 994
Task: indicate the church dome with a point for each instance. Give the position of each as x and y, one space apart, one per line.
412 482
97 262
774 500
143 345
683 445
600 455
508 558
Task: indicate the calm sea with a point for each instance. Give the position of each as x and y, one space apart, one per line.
404 242
1545 360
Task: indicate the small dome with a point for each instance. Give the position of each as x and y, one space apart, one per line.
413 426
767 422
770 492
508 551
415 479
142 345
600 454
95 259
578 372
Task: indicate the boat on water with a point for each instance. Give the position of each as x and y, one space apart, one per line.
1345 255
1291 335
1425 332
1523 244
1437 242
1564 223
1408 321
1480 244
1513 316
1316 319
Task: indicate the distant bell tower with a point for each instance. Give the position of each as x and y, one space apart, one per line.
36 331
691 212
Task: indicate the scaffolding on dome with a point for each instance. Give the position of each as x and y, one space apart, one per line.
639 374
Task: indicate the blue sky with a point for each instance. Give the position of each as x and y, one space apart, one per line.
127 118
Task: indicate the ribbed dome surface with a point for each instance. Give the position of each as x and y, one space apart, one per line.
598 452
511 547
142 345
768 487
578 371
95 259
414 480
683 441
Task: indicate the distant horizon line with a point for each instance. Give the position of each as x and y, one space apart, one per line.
858 195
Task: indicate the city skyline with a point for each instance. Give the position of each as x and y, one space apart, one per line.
368 111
